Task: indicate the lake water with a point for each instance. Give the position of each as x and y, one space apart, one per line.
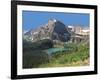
53 50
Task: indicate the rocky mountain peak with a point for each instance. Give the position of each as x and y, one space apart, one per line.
52 20
54 30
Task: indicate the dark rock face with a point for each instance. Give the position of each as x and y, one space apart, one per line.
54 30
60 32
60 28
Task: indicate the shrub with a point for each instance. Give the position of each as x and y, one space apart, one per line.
32 59
72 46
33 54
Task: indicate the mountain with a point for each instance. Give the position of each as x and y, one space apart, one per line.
54 30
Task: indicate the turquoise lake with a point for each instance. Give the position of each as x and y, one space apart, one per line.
53 50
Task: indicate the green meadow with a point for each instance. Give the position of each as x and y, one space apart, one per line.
35 55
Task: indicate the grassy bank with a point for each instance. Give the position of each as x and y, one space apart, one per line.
78 57
34 55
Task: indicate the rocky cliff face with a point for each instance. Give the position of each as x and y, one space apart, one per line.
54 30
